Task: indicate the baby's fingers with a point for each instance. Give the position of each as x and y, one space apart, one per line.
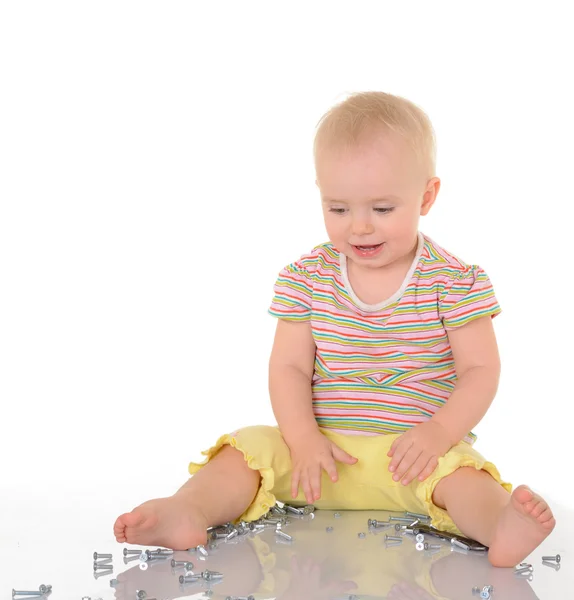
331 469
295 478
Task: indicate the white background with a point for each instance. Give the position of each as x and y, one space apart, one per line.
156 174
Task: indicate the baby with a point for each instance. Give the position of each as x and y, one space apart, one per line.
384 359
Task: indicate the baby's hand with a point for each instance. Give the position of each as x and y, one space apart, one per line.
418 449
309 456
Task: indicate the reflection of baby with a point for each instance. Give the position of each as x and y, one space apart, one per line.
384 359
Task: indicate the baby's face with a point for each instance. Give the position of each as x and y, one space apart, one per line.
373 195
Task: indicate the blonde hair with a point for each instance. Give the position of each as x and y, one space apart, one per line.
364 114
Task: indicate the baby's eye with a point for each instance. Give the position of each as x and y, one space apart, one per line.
383 210
338 211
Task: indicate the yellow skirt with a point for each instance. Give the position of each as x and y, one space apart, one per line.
366 485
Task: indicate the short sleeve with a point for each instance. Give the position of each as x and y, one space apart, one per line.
467 296
293 293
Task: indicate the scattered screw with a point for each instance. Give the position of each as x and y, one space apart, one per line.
329 529
201 549
141 594
24 593
555 566
45 589
555 558
337 515
293 510
458 543
127 551
420 546
416 515
393 537
420 537
105 567
402 519
97 556
375 523
284 535
361 535
432 546
210 575
188 578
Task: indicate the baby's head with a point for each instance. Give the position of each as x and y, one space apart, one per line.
375 157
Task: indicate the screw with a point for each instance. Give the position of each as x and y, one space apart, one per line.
127 551
555 566
278 510
97 556
209 575
45 589
484 594
308 509
164 551
201 549
393 537
293 510
458 543
402 519
375 523
416 515
337 515
523 570
556 558
284 535
361 535
24 593
231 535
107 566
329 529
420 546
141 594
188 578
431 546
420 537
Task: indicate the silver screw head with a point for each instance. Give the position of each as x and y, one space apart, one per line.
361 534
329 529
420 546
420 537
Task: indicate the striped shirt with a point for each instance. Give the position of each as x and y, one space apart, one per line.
381 369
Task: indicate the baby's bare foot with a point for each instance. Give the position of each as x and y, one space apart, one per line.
521 527
169 522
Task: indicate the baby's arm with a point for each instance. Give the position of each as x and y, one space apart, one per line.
290 379
477 365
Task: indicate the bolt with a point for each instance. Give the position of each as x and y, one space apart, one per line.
375 523
164 551
210 575
402 519
97 556
293 510
231 535
458 543
523 570
393 537
100 566
431 546
201 549
188 578
181 563
556 558
24 593
284 535
127 551
416 515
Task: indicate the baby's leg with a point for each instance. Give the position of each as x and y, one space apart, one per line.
219 493
512 525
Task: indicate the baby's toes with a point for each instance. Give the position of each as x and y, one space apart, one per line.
538 509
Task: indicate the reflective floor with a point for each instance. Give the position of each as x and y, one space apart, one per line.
54 544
